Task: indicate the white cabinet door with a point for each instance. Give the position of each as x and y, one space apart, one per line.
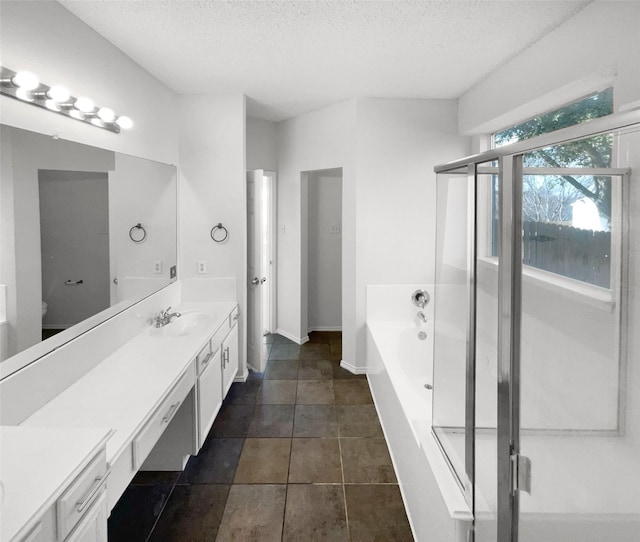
230 357
93 526
209 394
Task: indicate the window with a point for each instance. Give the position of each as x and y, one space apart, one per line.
567 207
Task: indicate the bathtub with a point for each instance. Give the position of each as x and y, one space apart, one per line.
408 362
399 370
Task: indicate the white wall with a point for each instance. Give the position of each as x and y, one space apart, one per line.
323 139
398 144
388 199
324 268
597 47
130 202
43 37
262 144
212 190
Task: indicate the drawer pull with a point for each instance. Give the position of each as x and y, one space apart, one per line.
236 316
206 360
82 504
172 410
225 357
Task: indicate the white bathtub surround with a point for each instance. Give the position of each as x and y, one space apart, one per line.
399 365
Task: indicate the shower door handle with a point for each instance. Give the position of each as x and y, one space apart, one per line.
73 282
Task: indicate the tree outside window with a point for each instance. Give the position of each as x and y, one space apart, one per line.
558 209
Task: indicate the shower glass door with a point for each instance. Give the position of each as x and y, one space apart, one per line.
455 219
575 426
486 355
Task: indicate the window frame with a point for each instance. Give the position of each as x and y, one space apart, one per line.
597 296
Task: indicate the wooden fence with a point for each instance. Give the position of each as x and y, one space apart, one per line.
583 255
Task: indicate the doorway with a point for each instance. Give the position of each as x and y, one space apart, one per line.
261 256
74 237
321 192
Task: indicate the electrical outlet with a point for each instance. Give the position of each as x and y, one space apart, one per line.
334 228
157 266
202 266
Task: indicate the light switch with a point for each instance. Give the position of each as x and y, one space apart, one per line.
202 266
157 266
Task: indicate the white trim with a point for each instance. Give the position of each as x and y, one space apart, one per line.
293 338
324 328
353 369
243 377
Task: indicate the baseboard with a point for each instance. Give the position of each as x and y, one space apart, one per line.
242 377
353 369
324 328
296 340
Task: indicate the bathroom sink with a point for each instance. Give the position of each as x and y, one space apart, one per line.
187 324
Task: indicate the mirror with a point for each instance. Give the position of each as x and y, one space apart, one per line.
84 234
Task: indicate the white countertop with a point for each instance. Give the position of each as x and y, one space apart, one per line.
36 465
126 388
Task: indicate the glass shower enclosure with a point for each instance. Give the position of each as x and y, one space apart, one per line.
536 387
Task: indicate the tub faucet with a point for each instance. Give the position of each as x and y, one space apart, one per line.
422 316
165 317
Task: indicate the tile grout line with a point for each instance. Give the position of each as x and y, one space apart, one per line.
164 506
344 491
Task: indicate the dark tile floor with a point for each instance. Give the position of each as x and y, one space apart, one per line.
295 454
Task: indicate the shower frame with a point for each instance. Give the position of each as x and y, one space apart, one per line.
513 469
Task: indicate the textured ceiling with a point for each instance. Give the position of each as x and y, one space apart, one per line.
291 57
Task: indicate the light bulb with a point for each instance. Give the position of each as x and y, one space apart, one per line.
24 95
25 80
85 105
52 104
76 114
106 114
58 94
124 122
97 122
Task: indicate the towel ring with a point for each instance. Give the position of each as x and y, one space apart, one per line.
137 238
219 233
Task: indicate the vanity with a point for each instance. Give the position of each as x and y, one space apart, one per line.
148 405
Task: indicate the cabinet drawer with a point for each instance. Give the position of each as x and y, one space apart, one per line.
204 357
93 527
233 317
76 500
151 432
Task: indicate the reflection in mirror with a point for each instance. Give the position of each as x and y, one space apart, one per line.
67 259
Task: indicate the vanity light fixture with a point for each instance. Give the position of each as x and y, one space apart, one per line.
26 87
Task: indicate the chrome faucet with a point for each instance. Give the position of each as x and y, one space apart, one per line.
422 316
165 317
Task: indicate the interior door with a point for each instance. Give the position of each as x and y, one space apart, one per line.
255 274
74 222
